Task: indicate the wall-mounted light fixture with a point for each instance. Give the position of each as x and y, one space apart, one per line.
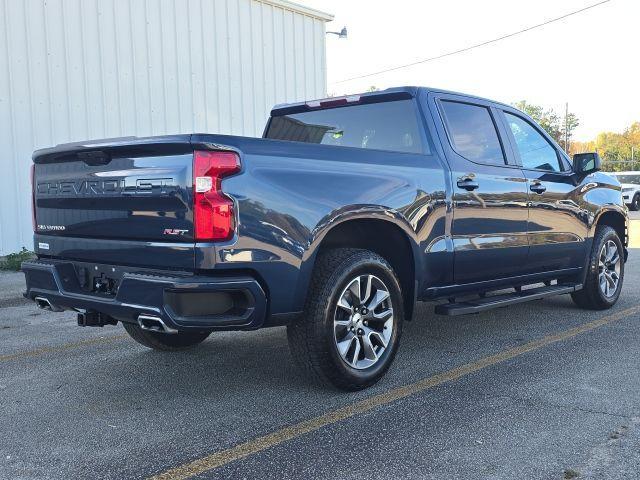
341 34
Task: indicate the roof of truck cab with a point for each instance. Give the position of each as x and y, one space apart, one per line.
462 94
392 93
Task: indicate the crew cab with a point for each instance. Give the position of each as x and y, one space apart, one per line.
346 213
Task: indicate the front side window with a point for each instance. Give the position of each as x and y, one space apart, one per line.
473 133
389 126
536 153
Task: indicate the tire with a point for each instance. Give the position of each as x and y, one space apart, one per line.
314 338
595 294
635 203
167 342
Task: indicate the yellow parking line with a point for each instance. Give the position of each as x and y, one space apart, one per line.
59 348
223 457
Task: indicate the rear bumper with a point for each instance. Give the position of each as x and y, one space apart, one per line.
182 302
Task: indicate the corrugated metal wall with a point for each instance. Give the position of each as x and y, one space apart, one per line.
83 69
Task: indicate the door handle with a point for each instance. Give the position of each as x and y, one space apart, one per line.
468 183
538 188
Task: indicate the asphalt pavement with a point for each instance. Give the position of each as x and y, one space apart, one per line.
541 390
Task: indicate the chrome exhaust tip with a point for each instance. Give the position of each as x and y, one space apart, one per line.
44 304
153 323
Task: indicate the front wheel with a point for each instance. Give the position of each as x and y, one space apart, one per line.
635 203
351 327
164 341
605 272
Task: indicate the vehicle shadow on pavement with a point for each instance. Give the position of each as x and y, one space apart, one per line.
258 364
168 407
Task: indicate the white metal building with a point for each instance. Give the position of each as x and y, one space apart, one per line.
83 69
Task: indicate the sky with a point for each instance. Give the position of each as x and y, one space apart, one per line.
590 60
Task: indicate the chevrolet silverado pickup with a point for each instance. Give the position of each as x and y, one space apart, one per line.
348 212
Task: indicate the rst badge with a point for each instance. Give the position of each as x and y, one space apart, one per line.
175 232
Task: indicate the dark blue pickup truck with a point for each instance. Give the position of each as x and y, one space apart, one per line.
346 213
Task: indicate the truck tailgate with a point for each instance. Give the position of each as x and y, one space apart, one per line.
129 191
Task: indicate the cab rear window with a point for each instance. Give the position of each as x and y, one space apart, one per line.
389 126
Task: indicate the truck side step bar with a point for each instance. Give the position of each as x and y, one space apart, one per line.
496 301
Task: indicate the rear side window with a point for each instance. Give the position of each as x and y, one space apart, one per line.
536 153
473 133
381 126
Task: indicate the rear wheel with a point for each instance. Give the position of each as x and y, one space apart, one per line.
164 341
605 272
635 203
352 322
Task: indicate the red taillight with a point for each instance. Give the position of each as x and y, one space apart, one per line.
33 196
213 216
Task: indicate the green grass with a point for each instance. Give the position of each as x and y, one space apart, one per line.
13 261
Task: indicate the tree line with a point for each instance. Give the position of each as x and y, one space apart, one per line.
619 151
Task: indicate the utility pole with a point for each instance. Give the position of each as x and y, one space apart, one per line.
566 127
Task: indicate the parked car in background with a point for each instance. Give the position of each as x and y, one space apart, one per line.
630 188
348 211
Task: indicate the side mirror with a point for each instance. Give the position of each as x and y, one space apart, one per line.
586 162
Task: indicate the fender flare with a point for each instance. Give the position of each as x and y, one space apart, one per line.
610 208
347 214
